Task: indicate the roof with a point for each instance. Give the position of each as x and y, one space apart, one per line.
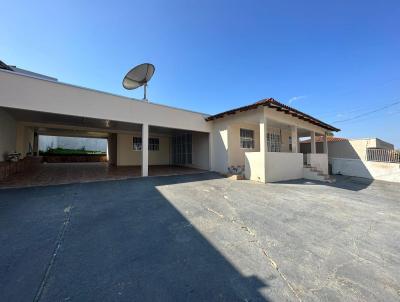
5 66
319 139
272 103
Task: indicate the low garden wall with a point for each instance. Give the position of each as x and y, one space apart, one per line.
10 168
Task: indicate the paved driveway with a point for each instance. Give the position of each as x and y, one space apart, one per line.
201 238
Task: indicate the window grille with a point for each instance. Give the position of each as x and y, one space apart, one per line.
154 144
274 142
246 139
137 143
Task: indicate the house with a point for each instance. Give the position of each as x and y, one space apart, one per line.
260 140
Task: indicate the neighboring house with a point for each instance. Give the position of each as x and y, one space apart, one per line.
260 140
305 145
370 158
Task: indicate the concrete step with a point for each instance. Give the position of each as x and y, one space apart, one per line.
313 173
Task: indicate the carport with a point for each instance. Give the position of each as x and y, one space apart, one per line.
166 151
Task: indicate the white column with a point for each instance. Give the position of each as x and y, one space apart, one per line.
313 147
145 150
294 139
325 144
35 144
210 152
263 147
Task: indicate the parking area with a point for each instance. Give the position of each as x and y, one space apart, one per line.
201 237
46 174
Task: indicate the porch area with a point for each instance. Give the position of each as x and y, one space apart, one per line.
270 148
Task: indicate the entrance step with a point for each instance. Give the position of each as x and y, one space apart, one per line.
313 173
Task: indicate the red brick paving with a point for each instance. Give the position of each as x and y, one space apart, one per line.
64 173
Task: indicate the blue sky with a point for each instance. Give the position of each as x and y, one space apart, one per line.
336 60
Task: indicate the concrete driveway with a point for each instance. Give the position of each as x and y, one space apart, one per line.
201 238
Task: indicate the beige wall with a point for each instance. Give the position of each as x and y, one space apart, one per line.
25 92
219 154
319 161
126 156
7 134
200 151
24 139
355 148
366 169
283 166
254 166
236 155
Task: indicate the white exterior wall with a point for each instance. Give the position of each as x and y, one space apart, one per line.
355 148
8 132
284 166
319 161
25 92
126 156
236 153
366 169
200 151
24 139
254 167
219 150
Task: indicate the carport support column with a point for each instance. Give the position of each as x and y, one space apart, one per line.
313 148
145 149
294 139
263 146
325 144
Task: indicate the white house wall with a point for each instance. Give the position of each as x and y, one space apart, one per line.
200 151
24 139
283 166
25 92
366 169
126 156
236 153
7 134
219 147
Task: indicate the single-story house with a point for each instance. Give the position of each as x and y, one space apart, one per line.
260 140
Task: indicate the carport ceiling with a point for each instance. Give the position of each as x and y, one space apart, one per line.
70 120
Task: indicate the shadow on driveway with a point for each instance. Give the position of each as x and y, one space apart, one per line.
110 241
341 182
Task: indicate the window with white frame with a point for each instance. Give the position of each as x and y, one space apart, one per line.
274 142
137 143
246 138
154 144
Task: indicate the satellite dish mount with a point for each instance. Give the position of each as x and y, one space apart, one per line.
138 76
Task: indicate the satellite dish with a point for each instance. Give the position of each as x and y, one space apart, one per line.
138 76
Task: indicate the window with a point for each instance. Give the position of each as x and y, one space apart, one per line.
154 144
137 143
274 142
246 139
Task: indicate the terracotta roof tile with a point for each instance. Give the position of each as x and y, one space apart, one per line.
272 103
319 139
